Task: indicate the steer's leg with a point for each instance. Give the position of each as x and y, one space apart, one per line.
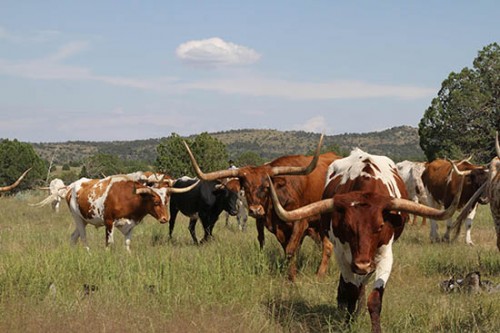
171 224
128 237
327 250
434 235
347 297
109 232
260 222
375 308
208 224
293 246
192 229
468 226
79 231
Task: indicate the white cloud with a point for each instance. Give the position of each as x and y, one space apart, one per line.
68 50
215 52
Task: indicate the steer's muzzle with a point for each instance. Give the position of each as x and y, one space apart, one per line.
164 220
362 267
256 211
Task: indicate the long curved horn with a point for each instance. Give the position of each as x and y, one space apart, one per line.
45 201
411 207
455 169
289 170
497 145
211 175
10 187
319 207
184 189
457 225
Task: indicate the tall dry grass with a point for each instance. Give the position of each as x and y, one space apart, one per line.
227 285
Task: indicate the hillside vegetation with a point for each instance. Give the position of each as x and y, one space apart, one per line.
398 143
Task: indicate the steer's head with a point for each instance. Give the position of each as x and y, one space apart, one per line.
475 177
229 189
256 186
363 222
155 201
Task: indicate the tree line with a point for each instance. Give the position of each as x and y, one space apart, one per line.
461 121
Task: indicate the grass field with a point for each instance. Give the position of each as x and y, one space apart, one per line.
227 285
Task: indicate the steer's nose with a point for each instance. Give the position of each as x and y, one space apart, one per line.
164 220
362 267
256 211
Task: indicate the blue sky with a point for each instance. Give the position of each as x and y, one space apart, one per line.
126 70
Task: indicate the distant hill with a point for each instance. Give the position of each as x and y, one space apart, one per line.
398 143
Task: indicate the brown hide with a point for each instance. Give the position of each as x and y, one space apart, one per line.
360 217
293 192
122 201
442 190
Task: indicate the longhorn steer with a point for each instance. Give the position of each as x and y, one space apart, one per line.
364 211
57 189
492 190
206 201
441 187
294 191
411 173
17 182
115 201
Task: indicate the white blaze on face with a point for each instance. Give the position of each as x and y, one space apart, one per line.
351 167
162 192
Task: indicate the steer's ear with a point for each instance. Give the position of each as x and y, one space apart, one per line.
219 188
279 182
395 219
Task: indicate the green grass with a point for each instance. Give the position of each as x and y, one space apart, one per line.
227 285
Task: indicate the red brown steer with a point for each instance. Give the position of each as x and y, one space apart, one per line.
294 191
115 201
364 211
441 187
492 190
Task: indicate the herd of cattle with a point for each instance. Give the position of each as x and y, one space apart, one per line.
355 207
